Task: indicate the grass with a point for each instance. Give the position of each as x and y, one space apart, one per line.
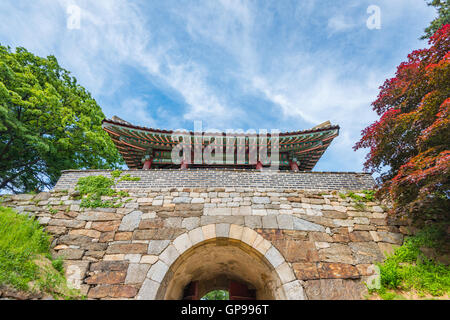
25 260
51 210
409 270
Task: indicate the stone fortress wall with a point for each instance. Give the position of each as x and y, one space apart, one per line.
169 178
289 235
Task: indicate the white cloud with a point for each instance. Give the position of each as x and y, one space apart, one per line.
189 81
135 110
339 23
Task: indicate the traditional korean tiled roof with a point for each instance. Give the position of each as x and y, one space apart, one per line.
135 143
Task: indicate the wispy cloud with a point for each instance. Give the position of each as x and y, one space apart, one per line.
340 23
135 110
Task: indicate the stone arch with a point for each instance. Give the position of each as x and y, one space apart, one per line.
162 283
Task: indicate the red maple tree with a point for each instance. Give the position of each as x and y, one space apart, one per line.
410 144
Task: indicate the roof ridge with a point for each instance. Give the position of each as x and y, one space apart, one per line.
119 121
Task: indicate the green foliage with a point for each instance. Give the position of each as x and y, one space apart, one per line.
443 9
116 173
48 123
368 195
99 185
51 210
21 234
24 253
92 188
408 268
389 295
127 177
58 264
216 295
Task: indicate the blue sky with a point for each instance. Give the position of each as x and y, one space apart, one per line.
286 65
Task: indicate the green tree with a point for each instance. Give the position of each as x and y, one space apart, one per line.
48 123
216 295
443 9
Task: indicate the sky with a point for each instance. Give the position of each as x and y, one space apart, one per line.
232 64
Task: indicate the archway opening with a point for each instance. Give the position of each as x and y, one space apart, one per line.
221 264
223 289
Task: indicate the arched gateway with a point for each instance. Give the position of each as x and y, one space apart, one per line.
183 229
215 256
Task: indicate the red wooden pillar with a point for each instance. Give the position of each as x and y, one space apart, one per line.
184 164
293 165
259 165
147 164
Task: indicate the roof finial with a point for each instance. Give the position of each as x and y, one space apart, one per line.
117 119
323 125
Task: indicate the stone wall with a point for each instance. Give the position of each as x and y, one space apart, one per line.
318 244
194 178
